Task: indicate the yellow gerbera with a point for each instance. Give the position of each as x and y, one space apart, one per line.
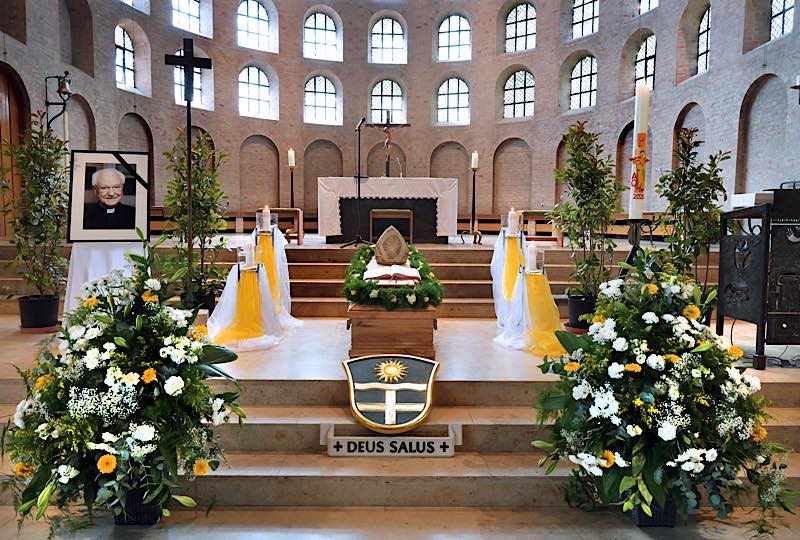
23 470
90 302
572 367
691 312
638 402
107 463
652 289
736 352
200 467
598 319
41 382
758 434
608 455
671 358
197 332
148 296
149 375
633 367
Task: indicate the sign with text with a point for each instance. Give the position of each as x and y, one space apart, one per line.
391 446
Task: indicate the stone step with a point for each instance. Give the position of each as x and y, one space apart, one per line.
337 307
445 271
303 288
434 254
555 255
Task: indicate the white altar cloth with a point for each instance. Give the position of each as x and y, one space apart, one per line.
92 260
444 190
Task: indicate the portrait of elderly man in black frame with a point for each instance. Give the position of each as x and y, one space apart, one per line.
105 206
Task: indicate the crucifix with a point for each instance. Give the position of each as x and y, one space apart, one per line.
188 62
387 127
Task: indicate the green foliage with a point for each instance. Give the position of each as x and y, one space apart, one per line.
587 211
693 191
39 211
208 211
427 292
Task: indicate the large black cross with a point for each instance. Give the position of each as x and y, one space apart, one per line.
188 62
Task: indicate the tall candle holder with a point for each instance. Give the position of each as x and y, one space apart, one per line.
477 236
291 186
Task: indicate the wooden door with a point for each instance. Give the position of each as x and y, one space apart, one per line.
13 117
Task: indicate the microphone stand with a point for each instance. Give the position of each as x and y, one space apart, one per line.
358 240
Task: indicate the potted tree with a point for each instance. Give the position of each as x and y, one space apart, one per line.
208 210
38 217
584 216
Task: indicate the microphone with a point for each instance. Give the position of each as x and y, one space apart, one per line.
361 123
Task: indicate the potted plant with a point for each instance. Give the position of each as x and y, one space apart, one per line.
693 191
208 209
38 212
114 418
652 411
584 216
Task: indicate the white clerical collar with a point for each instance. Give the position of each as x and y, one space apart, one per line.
110 210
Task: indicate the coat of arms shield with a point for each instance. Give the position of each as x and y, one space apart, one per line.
390 393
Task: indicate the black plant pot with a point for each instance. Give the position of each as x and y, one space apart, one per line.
136 512
580 305
204 301
662 517
38 311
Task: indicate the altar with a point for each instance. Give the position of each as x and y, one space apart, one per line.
434 202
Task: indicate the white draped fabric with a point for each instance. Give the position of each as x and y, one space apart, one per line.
92 260
279 244
513 319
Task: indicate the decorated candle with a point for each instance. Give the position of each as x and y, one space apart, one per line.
474 163
534 258
264 217
639 158
513 222
291 157
249 254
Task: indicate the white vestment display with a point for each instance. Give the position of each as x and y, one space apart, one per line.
513 320
279 245
92 260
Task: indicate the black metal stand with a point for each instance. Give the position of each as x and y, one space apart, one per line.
358 240
291 187
635 239
477 236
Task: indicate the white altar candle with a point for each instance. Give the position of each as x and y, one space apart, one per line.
249 254
639 158
513 222
474 164
264 219
534 258
291 157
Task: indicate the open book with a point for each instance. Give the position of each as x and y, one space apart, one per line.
395 274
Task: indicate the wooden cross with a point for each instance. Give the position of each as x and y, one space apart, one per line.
188 62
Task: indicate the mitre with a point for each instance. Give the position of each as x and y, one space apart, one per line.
391 248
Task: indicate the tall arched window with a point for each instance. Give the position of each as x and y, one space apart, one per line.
585 16
645 66
454 39
647 5
387 96
704 42
320 101
254 96
452 103
252 25
186 15
521 28
518 95
583 83
782 18
123 58
320 38
387 42
197 80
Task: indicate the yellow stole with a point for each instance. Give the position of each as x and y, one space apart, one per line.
246 323
265 254
544 316
511 268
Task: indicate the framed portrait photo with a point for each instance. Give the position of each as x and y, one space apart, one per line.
108 196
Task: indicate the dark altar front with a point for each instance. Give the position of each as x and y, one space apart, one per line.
424 222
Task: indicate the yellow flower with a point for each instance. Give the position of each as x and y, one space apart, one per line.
353 292
638 402
608 455
200 467
394 299
572 367
671 358
652 289
702 401
149 375
758 434
633 367
42 381
23 470
691 312
598 319
107 463
431 275
736 352
197 332
148 296
90 302
426 299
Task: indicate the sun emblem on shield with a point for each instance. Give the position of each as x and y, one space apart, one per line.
391 371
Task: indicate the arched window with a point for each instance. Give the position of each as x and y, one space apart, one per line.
704 42
645 66
585 16
647 5
454 39
521 28
583 83
197 80
252 24
518 95
320 38
254 98
387 96
452 105
186 15
320 101
387 42
123 58
782 18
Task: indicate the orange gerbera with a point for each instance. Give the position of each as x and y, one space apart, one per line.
736 352
608 455
90 302
633 367
572 367
148 296
758 434
23 470
598 319
149 375
42 381
652 289
200 467
671 358
691 312
107 463
197 332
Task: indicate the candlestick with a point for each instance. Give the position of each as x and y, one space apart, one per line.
264 220
474 163
249 254
291 158
639 158
534 258
513 222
